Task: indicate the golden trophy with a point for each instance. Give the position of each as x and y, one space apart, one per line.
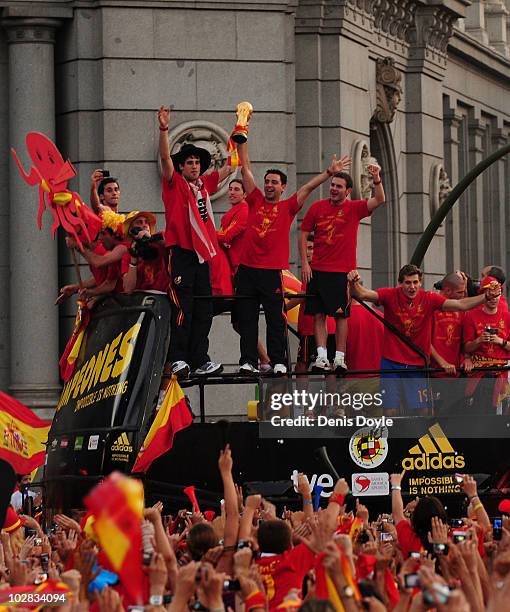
244 111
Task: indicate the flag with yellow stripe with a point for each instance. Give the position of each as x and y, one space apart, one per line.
173 416
23 435
117 507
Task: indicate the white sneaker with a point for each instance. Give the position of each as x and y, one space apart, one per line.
339 364
180 369
279 369
208 368
321 364
247 368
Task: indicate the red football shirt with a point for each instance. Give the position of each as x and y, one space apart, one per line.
364 341
176 196
475 322
407 539
233 225
335 228
412 318
447 339
305 322
266 239
151 274
284 572
99 274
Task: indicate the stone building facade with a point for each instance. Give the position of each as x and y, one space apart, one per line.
422 86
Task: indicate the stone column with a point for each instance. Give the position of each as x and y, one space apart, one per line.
33 253
451 122
500 194
475 21
477 245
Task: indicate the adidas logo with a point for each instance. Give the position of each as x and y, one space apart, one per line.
433 452
122 444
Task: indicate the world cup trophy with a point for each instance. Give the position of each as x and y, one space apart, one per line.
244 112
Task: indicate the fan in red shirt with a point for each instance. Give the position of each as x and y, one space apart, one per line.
191 237
486 333
104 259
335 223
282 567
144 268
409 309
265 253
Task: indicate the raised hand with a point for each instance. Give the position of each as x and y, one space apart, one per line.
225 461
374 171
439 532
164 117
339 165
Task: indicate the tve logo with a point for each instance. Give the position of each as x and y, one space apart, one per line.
323 480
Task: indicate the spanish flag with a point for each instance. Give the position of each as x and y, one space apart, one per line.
325 588
233 159
117 507
173 416
291 284
67 362
23 435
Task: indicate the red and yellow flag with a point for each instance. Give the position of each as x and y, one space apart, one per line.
172 417
117 507
233 159
325 588
291 284
67 362
22 435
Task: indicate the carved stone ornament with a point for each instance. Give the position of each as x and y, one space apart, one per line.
362 180
388 90
439 187
208 136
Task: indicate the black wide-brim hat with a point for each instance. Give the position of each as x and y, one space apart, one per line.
188 150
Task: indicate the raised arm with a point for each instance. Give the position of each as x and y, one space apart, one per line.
397 505
464 304
248 180
336 165
306 271
357 289
225 171
100 261
231 530
378 198
167 165
95 179
130 278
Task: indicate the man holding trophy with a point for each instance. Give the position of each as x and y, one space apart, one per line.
265 251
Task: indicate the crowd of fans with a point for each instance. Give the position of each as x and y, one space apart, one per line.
265 557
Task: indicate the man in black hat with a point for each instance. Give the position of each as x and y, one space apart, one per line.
191 237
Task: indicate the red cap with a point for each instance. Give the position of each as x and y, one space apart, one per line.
504 506
12 521
487 281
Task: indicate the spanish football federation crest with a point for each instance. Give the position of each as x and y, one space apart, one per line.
369 447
